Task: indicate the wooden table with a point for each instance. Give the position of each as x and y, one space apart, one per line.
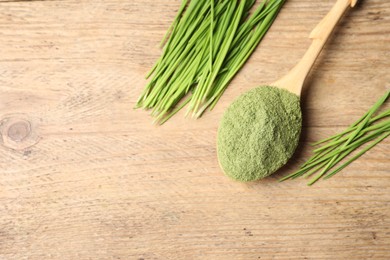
84 176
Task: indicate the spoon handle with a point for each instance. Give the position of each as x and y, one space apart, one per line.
294 80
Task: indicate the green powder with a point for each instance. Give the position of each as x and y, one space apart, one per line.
259 133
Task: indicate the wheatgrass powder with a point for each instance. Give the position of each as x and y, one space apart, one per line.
258 133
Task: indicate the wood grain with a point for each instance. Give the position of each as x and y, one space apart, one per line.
84 176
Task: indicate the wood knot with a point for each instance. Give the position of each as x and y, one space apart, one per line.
18 132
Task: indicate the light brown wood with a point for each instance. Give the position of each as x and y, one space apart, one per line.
84 176
294 80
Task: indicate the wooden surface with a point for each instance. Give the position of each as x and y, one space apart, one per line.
84 176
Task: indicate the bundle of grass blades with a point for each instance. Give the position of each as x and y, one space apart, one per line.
368 129
206 45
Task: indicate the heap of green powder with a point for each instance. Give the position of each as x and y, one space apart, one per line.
259 133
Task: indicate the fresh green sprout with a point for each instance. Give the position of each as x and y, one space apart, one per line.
368 128
207 44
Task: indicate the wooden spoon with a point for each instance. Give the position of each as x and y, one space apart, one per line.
294 80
